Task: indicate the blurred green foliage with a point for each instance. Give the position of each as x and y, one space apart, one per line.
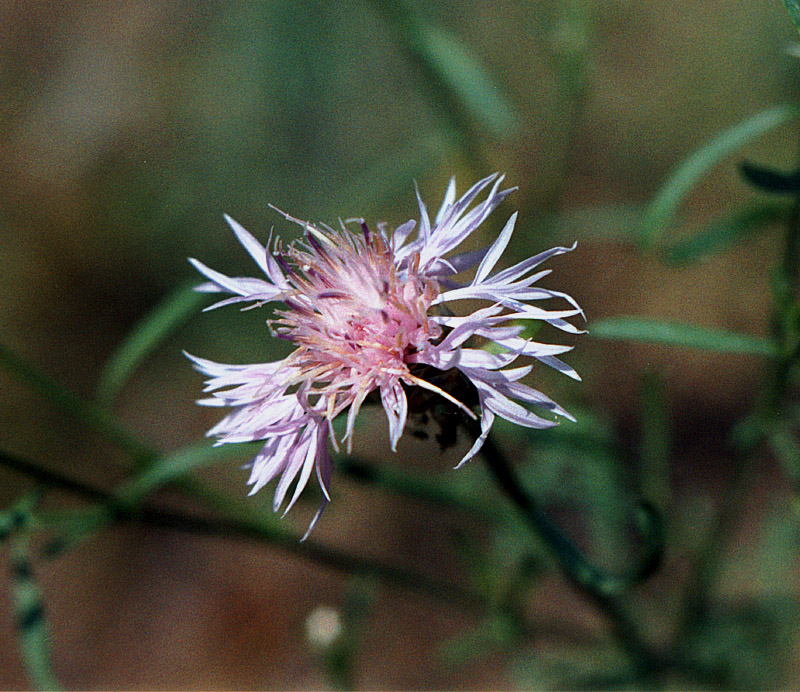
127 137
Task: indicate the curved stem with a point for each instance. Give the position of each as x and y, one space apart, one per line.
250 528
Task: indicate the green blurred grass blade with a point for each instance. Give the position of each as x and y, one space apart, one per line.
497 632
455 81
683 335
725 232
34 638
786 448
457 68
90 415
671 194
388 176
151 331
593 222
172 467
569 39
793 8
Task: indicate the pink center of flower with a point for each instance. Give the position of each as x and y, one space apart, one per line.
356 317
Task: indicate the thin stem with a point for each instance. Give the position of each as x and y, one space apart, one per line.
168 315
253 530
751 434
576 568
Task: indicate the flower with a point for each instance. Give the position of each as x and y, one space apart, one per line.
368 313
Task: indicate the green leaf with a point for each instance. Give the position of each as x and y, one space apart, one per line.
598 664
167 469
725 232
682 335
455 81
497 632
151 331
178 465
387 176
793 8
786 448
671 194
461 72
89 414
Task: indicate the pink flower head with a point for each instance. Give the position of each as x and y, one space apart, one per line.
364 310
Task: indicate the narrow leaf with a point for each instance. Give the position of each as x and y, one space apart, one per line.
461 72
786 448
455 81
793 8
145 337
671 194
725 232
90 415
167 469
387 176
681 335
177 465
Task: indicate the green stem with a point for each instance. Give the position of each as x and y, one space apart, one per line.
412 486
750 436
581 573
249 525
32 629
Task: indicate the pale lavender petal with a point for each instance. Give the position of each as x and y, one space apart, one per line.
401 233
487 419
258 298
424 220
525 266
395 404
314 521
470 195
295 458
269 462
506 408
527 347
455 264
308 466
559 365
244 286
208 287
324 461
497 249
447 202
255 249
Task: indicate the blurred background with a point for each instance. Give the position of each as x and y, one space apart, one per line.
128 128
